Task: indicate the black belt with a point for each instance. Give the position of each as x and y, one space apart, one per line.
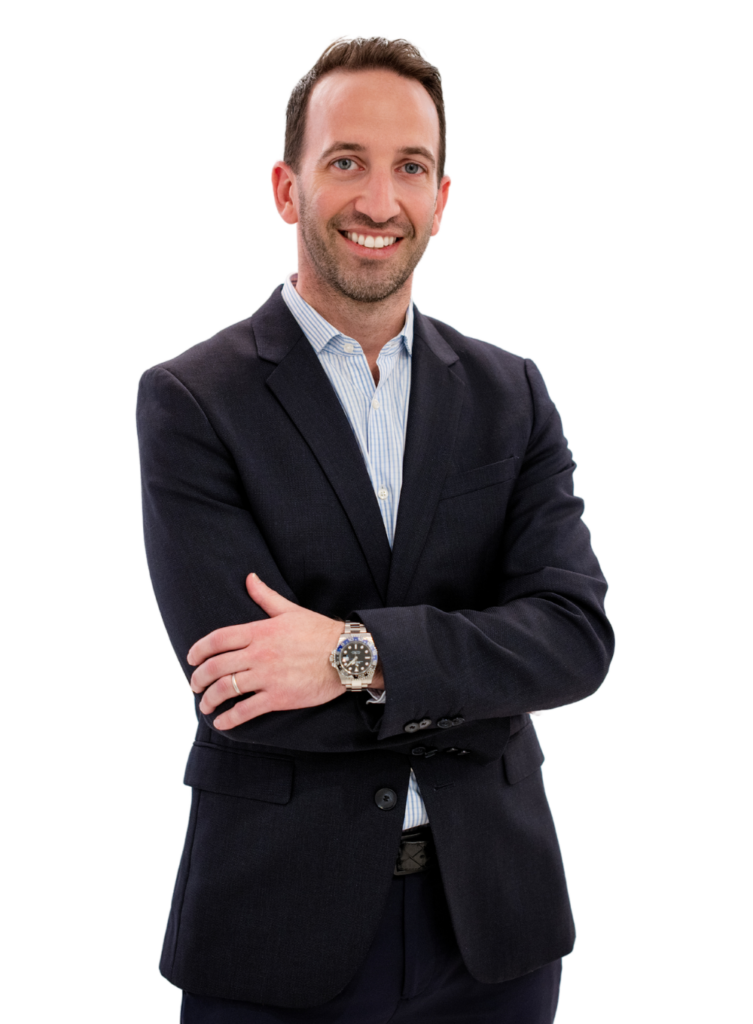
416 851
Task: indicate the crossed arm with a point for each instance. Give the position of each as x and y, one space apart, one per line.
281 662
543 630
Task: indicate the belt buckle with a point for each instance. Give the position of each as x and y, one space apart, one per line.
414 854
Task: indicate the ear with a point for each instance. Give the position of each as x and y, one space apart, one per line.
443 198
283 184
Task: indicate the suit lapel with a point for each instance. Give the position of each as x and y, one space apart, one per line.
300 384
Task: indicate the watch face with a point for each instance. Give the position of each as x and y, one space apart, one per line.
355 657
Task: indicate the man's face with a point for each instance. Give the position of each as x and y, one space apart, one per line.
366 196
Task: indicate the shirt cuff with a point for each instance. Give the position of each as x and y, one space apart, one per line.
376 696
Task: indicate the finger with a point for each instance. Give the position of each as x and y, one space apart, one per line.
229 638
244 711
268 600
213 670
223 690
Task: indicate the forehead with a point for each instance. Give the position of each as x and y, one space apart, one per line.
375 108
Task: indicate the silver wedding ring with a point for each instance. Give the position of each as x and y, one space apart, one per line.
235 685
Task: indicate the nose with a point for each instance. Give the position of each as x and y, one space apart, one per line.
378 203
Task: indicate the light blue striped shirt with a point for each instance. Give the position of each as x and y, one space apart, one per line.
378 415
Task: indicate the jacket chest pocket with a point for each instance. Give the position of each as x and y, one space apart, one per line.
482 476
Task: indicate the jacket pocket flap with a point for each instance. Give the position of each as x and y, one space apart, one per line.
237 773
523 755
483 476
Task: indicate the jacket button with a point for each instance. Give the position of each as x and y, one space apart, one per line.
411 727
385 799
445 723
451 750
461 752
424 723
458 721
418 751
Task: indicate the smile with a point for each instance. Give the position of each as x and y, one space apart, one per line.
372 246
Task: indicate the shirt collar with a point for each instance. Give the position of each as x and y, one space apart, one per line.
319 332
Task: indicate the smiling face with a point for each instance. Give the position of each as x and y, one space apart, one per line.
366 196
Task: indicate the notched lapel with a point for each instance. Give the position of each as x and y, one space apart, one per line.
436 398
303 389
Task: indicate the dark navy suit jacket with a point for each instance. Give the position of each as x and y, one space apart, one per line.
489 606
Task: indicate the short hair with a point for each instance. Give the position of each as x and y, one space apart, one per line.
360 54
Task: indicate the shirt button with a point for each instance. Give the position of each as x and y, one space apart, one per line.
383 493
375 403
385 799
348 347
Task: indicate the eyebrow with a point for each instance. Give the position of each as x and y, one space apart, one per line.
355 147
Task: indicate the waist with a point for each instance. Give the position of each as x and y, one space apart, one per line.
416 852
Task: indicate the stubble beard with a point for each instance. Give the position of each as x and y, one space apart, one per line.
374 280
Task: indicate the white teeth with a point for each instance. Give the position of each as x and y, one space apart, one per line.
371 242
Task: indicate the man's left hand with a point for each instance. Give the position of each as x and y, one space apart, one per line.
282 662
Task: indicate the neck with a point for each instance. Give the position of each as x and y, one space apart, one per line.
371 324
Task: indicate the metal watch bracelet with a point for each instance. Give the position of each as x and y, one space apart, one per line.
350 680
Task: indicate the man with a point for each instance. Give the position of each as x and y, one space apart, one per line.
364 543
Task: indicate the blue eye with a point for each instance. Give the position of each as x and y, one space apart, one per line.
344 160
412 168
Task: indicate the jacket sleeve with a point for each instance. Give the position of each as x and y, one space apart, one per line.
201 542
546 640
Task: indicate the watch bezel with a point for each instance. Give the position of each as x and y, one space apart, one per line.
355 638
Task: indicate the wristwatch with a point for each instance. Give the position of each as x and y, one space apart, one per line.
355 657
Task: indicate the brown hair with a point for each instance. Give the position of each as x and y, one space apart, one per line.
396 55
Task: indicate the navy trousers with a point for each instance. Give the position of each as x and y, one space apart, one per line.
413 974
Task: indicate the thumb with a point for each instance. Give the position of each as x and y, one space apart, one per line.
268 600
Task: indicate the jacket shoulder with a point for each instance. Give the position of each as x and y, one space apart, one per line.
222 356
236 358
517 375
468 344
